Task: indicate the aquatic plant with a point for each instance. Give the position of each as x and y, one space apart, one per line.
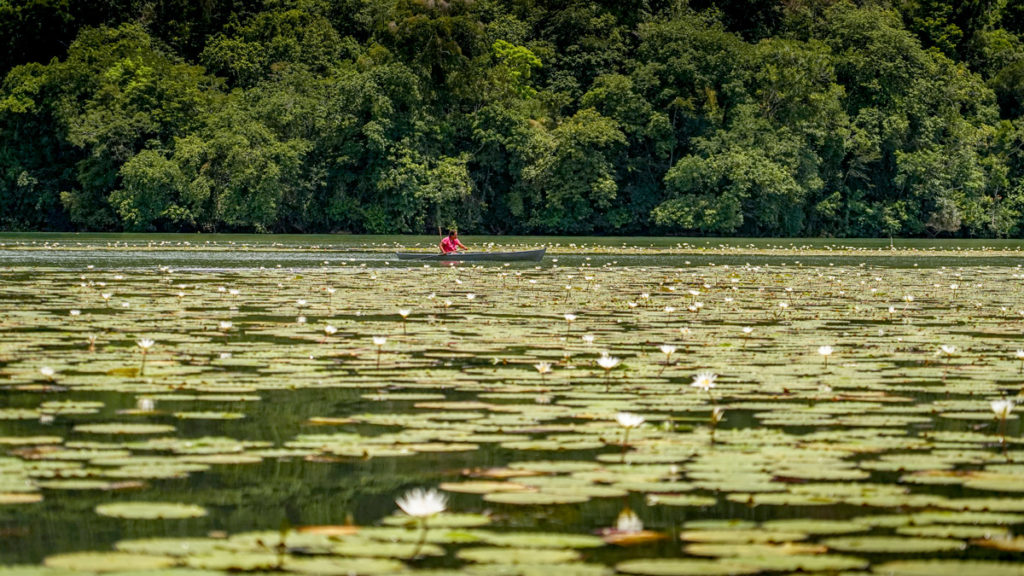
705 381
569 319
747 331
668 350
1002 409
628 421
422 504
825 351
543 368
144 344
717 413
379 342
404 313
608 363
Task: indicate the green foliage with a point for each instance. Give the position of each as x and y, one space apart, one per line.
713 117
151 184
571 177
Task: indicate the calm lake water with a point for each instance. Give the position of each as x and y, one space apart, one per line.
888 427
198 251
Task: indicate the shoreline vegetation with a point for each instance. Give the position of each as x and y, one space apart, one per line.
753 118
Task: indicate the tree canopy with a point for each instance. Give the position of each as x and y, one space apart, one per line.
724 117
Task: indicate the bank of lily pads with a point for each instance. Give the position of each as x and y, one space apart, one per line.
749 418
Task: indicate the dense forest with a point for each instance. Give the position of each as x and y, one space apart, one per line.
719 117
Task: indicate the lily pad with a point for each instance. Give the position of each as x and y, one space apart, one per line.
150 510
535 498
948 568
124 428
893 544
490 555
684 567
108 561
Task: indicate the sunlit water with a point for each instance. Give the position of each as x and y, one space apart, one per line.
221 251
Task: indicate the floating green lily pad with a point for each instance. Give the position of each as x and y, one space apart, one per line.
343 566
490 555
684 567
535 498
108 561
124 428
542 540
7 498
150 510
443 520
177 547
948 568
893 544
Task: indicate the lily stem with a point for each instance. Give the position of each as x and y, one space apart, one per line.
422 540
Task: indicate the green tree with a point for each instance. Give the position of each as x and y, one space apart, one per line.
151 186
571 179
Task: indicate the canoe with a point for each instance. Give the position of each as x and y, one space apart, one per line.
518 256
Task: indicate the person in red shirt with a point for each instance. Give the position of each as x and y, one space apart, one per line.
452 243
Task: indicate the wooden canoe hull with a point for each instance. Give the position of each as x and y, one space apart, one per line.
518 256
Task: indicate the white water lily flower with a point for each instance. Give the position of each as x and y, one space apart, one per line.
570 317
225 325
667 349
588 339
145 343
1020 354
704 380
628 522
47 372
1002 408
422 503
404 312
629 420
825 350
330 330
379 340
607 362
717 413
543 367
946 350
748 330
